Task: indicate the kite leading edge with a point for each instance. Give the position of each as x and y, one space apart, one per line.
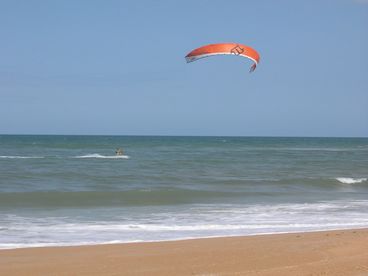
225 49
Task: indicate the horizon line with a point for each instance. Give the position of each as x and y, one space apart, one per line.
185 135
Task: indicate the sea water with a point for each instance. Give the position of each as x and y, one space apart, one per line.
73 190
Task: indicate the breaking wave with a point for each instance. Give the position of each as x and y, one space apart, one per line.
96 155
20 157
348 180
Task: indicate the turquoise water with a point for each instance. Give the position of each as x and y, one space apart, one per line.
67 190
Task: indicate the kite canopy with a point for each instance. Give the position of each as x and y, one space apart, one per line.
225 49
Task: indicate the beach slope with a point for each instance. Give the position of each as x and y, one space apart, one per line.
343 252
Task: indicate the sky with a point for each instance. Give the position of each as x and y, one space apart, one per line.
118 68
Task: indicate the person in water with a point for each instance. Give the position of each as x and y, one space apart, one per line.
119 151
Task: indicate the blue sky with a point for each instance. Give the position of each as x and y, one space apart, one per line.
118 67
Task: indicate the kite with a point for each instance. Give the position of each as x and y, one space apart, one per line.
225 49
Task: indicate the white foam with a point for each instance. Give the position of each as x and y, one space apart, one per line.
96 155
19 157
348 180
197 221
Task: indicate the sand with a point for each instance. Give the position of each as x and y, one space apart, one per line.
319 253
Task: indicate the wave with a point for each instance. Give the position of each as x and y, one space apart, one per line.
310 183
135 197
320 149
20 157
195 221
96 155
154 195
93 155
348 180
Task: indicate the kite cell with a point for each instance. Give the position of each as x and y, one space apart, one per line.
225 49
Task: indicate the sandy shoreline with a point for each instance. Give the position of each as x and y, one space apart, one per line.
343 252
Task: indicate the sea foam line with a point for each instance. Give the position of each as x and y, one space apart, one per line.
348 180
96 155
20 157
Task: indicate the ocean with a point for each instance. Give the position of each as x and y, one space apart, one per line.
74 190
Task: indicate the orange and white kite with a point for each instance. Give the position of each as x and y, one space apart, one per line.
225 49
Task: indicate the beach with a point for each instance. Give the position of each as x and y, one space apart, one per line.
184 138
342 252
183 205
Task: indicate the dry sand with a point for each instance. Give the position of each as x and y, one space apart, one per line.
319 253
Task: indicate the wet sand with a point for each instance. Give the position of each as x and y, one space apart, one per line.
319 253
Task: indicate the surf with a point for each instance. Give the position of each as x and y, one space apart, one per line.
348 180
96 155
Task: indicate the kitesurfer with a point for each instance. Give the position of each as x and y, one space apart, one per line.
119 151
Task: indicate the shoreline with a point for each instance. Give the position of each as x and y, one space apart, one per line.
176 240
333 252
